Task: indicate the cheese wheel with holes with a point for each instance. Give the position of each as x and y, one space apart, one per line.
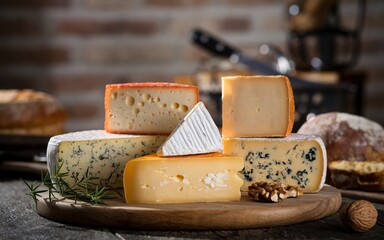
147 108
257 106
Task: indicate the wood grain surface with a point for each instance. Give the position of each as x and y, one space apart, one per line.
245 214
19 220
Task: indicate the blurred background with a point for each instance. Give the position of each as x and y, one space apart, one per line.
72 48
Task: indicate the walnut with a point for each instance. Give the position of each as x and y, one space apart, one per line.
359 216
272 192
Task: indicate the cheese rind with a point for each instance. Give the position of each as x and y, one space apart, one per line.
196 134
297 160
257 106
196 178
97 153
147 108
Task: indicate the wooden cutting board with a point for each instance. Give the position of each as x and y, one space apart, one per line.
244 214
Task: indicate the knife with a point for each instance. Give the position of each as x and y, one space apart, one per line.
220 48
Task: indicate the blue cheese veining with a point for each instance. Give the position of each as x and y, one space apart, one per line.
297 160
97 155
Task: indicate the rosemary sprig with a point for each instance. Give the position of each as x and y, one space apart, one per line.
34 191
82 190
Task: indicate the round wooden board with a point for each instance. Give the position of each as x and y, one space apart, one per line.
244 214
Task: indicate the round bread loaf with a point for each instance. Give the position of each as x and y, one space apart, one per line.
355 149
30 112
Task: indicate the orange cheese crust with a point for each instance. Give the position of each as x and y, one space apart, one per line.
291 105
148 85
140 85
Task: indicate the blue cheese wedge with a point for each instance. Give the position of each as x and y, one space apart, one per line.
196 134
297 160
97 154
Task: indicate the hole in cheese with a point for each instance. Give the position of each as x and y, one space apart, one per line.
146 96
179 178
129 101
114 95
175 105
135 111
184 108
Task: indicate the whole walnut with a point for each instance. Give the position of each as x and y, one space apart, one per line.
359 216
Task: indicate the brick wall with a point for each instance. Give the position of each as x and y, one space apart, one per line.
73 48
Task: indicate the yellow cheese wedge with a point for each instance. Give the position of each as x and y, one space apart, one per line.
195 178
298 160
257 106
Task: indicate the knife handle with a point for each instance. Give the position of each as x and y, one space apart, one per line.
213 44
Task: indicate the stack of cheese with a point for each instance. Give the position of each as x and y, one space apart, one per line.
159 143
258 116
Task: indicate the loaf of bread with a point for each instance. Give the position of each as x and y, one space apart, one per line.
355 149
29 112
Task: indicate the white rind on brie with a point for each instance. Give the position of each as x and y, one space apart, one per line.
196 134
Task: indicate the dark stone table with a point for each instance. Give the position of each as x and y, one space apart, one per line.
19 220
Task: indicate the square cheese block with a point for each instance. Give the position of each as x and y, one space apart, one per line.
196 178
147 108
196 134
257 106
97 154
297 160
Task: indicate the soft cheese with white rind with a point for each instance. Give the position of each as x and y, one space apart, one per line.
97 153
196 134
297 160
185 179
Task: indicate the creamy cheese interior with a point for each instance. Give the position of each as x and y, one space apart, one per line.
297 160
256 107
148 110
197 178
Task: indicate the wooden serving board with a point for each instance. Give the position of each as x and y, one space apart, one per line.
244 214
